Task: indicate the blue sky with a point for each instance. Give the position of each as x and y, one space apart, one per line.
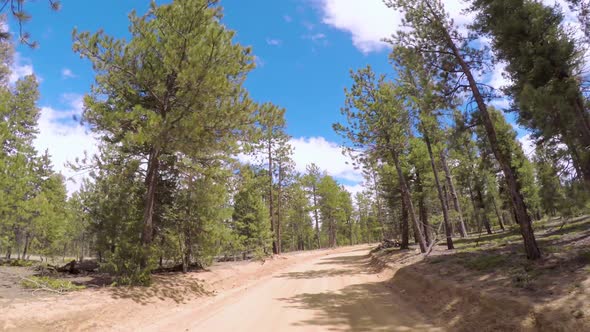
305 50
303 64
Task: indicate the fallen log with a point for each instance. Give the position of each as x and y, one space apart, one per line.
390 244
75 267
386 244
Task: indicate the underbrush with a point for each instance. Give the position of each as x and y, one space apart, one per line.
17 263
50 284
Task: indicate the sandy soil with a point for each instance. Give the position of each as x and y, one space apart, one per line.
336 290
10 278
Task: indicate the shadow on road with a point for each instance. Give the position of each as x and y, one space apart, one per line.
362 307
316 274
368 306
351 260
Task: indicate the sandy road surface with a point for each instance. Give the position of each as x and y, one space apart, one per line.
337 292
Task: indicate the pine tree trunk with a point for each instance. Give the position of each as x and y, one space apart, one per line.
16 232
271 200
82 248
407 197
482 207
151 181
315 212
455 198
350 223
498 214
522 216
441 197
475 205
186 261
279 247
27 243
405 229
330 232
422 208
378 202
583 125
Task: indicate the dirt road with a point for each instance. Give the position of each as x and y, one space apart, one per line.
337 292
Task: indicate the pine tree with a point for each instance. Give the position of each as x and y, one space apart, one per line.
430 31
312 180
272 142
550 188
542 61
18 158
175 89
299 225
422 93
378 124
16 8
250 213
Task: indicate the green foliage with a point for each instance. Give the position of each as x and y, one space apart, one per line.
124 264
366 219
33 211
170 97
17 262
298 229
542 61
335 208
523 167
45 282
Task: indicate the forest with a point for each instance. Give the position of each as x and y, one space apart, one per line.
191 170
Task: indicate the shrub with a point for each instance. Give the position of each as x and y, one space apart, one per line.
125 265
523 280
17 262
49 283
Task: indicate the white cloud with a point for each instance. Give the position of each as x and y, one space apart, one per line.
20 68
501 103
274 42
326 155
498 79
528 145
287 18
370 21
65 139
357 188
67 73
4 26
